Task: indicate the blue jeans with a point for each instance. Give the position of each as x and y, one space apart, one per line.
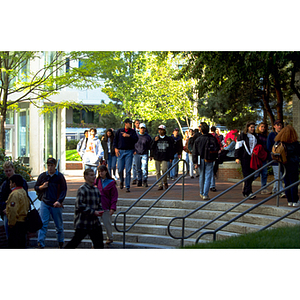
263 175
111 164
276 176
56 213
205 172
141 163
125 162
174 171
213 179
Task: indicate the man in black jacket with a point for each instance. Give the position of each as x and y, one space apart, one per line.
124 143
178 148
162 150
141 155
205 167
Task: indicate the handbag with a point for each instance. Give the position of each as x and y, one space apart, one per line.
33 219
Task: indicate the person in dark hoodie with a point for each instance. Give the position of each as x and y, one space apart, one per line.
178 148
141 155
52 187
124 142
162 150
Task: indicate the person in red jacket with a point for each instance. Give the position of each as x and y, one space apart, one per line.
109 198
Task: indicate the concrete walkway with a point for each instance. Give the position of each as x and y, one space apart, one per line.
75 180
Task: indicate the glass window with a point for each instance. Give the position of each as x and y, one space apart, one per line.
8 140
23 133
10 117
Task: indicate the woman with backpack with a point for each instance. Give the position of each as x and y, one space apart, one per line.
245 144
109 198
289 138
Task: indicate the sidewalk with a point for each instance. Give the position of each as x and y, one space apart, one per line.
74 180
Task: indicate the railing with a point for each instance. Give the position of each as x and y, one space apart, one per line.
124 229
214 232
183 237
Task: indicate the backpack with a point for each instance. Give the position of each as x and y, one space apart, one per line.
211 149
279 152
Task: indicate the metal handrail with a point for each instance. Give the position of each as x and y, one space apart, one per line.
184 173
183 237
214 232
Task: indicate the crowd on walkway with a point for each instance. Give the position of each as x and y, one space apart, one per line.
119 155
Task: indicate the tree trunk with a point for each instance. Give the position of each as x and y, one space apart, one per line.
279 95
2 129
266 100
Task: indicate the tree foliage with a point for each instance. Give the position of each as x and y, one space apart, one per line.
234 86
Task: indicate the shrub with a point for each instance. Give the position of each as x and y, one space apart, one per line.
21 169
71 145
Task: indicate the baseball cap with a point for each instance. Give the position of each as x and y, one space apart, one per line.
162 127
142 125
51 161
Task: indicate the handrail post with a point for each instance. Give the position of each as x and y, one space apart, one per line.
182 188
278 183
182 233
124 230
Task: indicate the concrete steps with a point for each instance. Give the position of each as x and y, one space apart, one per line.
151 230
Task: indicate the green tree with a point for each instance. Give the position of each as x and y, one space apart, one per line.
234 86
19 82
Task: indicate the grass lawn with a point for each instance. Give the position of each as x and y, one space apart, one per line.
72 155
277 238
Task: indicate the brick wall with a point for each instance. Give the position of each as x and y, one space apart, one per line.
74 165
229 170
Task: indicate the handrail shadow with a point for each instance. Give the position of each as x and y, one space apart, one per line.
124 229
183 237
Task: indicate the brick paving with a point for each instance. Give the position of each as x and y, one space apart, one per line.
191 192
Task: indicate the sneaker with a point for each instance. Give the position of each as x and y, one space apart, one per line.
145 184
140 183
192 177
60 245
172 178
265 192
282 195
290 203
252 196
213 189
134 181
166 186
160 188
295 204
39 246
206 198
127 190
201 196
108 241
121 185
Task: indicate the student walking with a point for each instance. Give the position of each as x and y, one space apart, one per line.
51 187
109 197
87 210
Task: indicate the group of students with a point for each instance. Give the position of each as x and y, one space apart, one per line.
129 149
253 144
97 197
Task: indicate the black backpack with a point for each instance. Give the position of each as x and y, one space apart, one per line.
211 149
